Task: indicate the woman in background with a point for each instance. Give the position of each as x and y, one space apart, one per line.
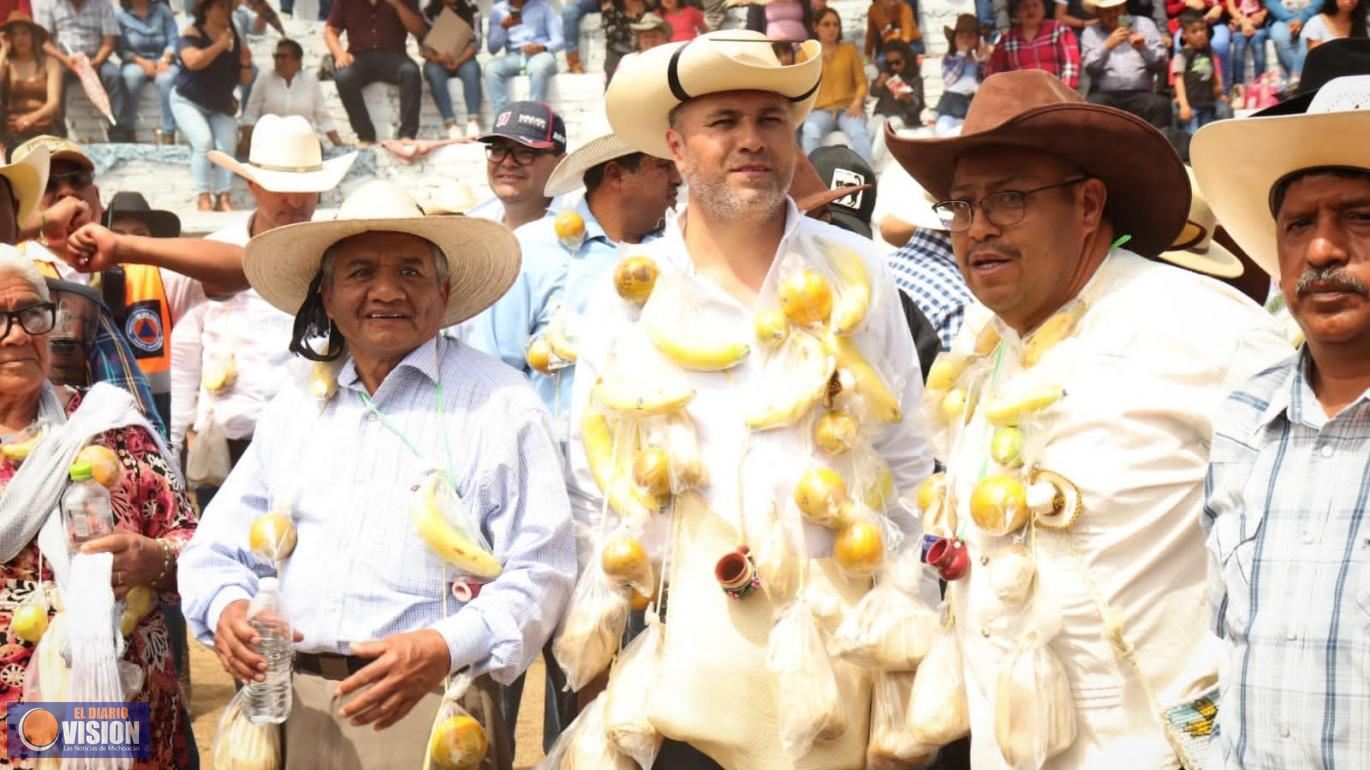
32 82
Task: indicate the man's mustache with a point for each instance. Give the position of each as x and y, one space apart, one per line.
1324 278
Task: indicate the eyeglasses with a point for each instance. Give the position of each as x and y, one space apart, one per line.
1002 209
894 63
75 179
279 56
523 156
34 319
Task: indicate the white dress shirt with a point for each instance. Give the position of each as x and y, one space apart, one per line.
302 96
244 328
770 461
1151 360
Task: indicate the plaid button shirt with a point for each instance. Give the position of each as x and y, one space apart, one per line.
926 269
1288 521
78 30
1054 50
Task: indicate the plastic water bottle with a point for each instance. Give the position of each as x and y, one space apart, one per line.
268 702
523 64
85 507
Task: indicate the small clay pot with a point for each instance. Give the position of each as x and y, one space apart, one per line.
736 573
950 557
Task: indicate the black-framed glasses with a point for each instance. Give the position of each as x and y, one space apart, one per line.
1002 209
76 179
523 156
34 319
894 64
281 55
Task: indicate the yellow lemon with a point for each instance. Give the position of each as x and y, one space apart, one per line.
953 405
806 297
1005 446
104 464
931 491
29 622
772 327
272 536
625 558
458 743
860 546
820 494
634 278
998 504
539 355
138 603
569 225
836 432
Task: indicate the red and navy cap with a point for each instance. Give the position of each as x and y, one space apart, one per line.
531 124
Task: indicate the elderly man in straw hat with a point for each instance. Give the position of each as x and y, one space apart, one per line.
1286 507
381 618
725 109
1077 418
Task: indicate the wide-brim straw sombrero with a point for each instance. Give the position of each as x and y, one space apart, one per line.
569 174
1194 248
1148 190
482 256
640 98
286 157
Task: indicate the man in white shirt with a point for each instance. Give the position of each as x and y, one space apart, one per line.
229 360
725 109
1074 420
289 89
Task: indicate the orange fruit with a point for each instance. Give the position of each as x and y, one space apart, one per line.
104 464
998 504
625 558
634 278
458 743
836 432
272 536
820 494
569 225
806 297
539 355
640 601
931 491
652 471
860 546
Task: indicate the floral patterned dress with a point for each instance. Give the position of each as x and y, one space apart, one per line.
151 501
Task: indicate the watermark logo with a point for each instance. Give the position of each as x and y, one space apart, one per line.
70 730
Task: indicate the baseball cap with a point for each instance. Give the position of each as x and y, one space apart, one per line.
840 167
58 149
531 124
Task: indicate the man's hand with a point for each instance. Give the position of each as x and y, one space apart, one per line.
508 21
531 49
1186 114
406 667
162 66
1117 37
1137 41
1295 27
137 559
235 642
149 68
60 220
344 59
93 248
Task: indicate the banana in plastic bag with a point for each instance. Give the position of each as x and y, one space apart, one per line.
938 712
444 523
891 745
888 630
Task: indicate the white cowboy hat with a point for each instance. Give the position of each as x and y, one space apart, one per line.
450 198
286 158
569 175
482 256
28 177
1194 248
1238 187
1103 3
650 21
640 99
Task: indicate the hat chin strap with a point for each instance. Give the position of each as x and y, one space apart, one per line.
682 96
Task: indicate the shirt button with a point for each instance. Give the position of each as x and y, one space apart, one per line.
1308 538
984 632
1326 450
1284 732
1291 635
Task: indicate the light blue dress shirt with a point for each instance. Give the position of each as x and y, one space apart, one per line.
360 571
541 25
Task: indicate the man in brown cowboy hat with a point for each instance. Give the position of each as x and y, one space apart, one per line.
1078 416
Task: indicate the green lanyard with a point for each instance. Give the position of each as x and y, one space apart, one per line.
442 417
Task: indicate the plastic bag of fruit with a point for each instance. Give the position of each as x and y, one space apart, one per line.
457 741
1034 710
888 630
691 326
938 713
589 635
585 746
631 683
892 746
239 744
808 702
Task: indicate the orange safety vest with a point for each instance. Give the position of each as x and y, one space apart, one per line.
146 320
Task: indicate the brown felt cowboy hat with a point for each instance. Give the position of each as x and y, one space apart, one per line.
1148 190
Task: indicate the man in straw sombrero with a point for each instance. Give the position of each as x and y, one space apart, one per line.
1287 504
400 414
1078 417
725 109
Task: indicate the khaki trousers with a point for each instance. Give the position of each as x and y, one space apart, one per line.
316 739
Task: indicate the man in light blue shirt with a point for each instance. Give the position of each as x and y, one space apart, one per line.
1123 55
529 34
381 620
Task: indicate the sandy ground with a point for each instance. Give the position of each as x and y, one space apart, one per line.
212 689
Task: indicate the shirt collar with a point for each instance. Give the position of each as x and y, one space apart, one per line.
422 359
673 234
1112 271
593 229
1293 396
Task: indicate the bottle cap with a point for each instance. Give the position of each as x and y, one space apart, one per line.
82 471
